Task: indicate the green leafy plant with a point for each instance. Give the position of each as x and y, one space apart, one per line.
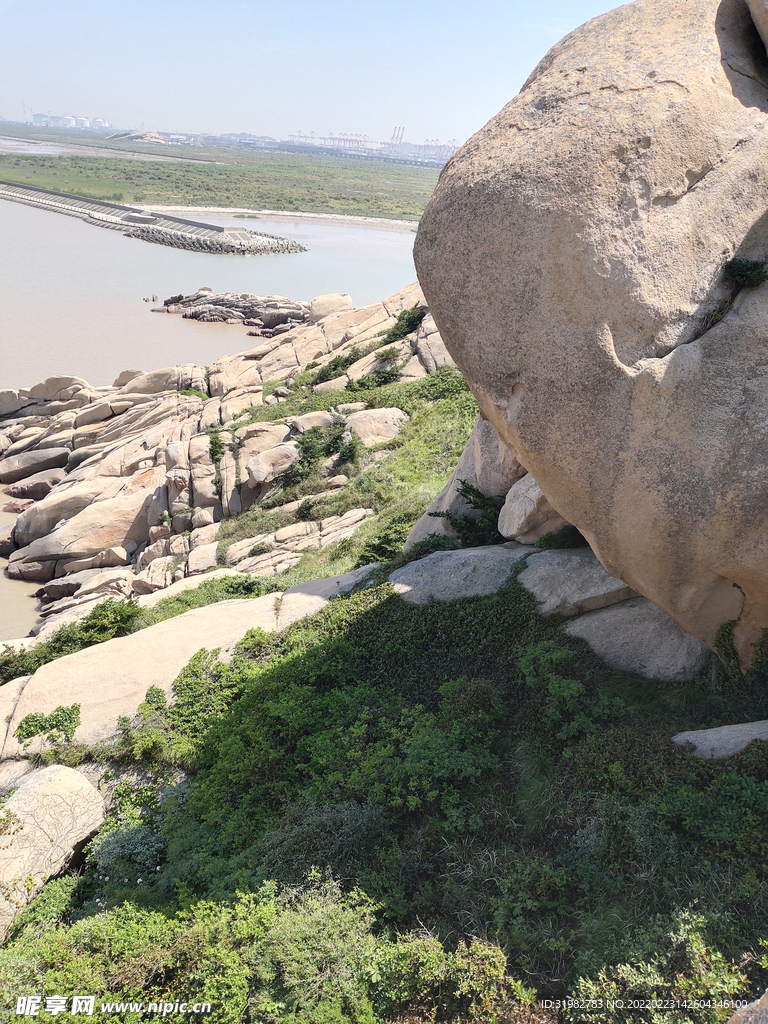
407 322
477 530
337 366
60 725
746 273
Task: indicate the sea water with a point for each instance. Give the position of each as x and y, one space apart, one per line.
73 293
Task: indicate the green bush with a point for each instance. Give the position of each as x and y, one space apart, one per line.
407 322
59 726
746 273
480 529
337 366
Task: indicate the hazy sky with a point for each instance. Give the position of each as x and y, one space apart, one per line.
440 68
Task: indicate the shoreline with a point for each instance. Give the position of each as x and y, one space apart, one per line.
335 218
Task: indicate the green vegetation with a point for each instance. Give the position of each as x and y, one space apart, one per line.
231 178
400 814
478 530
407 322
746 273
461 767
60 725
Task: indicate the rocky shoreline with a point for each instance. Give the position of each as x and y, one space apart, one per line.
126 485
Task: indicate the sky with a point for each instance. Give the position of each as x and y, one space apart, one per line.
439 68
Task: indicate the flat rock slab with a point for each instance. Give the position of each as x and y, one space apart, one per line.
636 636
17 467
570 582
755 1013
66 586
723 741
451 575
111 679
55 811
332 586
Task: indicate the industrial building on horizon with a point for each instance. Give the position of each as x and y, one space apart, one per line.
68 121
432 152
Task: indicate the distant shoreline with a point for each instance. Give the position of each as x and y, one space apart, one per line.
336 218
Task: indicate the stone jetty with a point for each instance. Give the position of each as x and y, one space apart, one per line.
177 232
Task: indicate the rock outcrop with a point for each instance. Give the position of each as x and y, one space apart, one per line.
598 322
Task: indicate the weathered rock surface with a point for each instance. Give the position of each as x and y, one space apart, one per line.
636 636
269 465
323 305
54 812
724 741
593 321
375 426
570 582
37 485
332 586
754 1013
450 575
17 467
526 515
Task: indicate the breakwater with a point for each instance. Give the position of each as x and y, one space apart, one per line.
178 232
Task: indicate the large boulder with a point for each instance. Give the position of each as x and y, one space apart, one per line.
271 464
104 524
573 256
636 636
452 575
52 814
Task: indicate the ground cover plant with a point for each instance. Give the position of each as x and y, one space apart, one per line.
394 813
231 178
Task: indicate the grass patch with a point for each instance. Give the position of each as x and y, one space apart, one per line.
232 178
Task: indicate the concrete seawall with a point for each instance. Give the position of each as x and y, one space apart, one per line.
163 229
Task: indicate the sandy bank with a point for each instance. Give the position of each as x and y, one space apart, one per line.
334 218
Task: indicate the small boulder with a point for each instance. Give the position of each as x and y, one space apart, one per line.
376 426
334 302
36 486
17 467
53 813
526 515
202 558
724 741
571 582
310 420
269 465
